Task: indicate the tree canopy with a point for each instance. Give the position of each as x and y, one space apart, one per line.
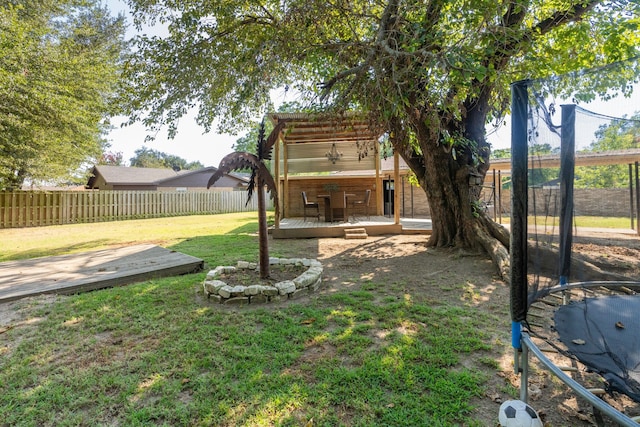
148 158
59 67
620 134
433 73
111 158
224 57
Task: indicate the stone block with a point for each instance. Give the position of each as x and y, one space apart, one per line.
253 290
225 291
315 270
213 286
237 301
305 279
285 287
212 274
215 298
307 282
237 291
270 291
258 299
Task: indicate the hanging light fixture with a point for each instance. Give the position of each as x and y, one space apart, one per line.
333 155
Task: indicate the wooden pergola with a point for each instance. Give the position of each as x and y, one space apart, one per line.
312 148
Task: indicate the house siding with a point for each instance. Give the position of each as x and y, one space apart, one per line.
413 200
199 181
315 186
142 179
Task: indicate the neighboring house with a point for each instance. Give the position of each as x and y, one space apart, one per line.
131 178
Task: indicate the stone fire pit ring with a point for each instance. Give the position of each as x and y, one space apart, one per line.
219 291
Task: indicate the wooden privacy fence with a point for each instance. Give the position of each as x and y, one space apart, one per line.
33 209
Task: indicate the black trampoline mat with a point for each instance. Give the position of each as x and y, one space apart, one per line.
604 334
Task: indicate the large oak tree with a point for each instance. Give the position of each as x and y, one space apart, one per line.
59 65
433 72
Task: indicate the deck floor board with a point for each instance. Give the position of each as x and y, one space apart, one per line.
73 273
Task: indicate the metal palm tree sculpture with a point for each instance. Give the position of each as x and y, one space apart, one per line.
260 177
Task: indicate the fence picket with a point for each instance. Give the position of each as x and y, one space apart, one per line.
40 208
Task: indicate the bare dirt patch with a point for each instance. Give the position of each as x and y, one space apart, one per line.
248 277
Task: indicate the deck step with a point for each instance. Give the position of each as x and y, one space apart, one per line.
355 233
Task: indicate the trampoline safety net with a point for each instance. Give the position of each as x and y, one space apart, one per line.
574 165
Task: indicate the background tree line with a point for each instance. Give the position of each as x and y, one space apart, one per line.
621 134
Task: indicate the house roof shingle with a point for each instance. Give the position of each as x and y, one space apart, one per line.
122 175
128 175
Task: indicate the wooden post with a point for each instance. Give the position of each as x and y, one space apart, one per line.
276 173
396 193
378 187
285 198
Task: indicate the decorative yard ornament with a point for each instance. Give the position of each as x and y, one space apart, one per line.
260 178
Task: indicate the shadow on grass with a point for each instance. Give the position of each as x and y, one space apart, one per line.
242 244
62 250
223 249
361 354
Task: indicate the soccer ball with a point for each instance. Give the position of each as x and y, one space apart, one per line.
516 413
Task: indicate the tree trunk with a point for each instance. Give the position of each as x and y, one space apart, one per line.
446 184
450 209
454 223
262 231
451 176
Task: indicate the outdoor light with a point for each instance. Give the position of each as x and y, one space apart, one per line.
333 155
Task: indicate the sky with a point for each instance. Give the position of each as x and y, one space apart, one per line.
617 107
192 144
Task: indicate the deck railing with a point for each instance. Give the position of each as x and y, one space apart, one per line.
40 208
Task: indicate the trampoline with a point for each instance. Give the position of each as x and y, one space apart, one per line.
602 332
587 333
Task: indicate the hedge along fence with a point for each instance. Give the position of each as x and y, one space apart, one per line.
34 209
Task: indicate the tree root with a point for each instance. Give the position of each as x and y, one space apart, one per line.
494 246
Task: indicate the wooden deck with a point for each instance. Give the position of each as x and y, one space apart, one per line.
69 274
292 228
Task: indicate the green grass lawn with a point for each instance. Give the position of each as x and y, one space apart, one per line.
580 221
157 353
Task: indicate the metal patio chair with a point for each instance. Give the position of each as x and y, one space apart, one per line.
310 205
361 205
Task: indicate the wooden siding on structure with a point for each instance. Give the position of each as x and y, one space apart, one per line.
413 200
34 209
315 185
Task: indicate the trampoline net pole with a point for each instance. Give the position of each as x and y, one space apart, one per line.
519 206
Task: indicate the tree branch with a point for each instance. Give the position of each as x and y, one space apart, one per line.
248 20
326 86
385 23
572 14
